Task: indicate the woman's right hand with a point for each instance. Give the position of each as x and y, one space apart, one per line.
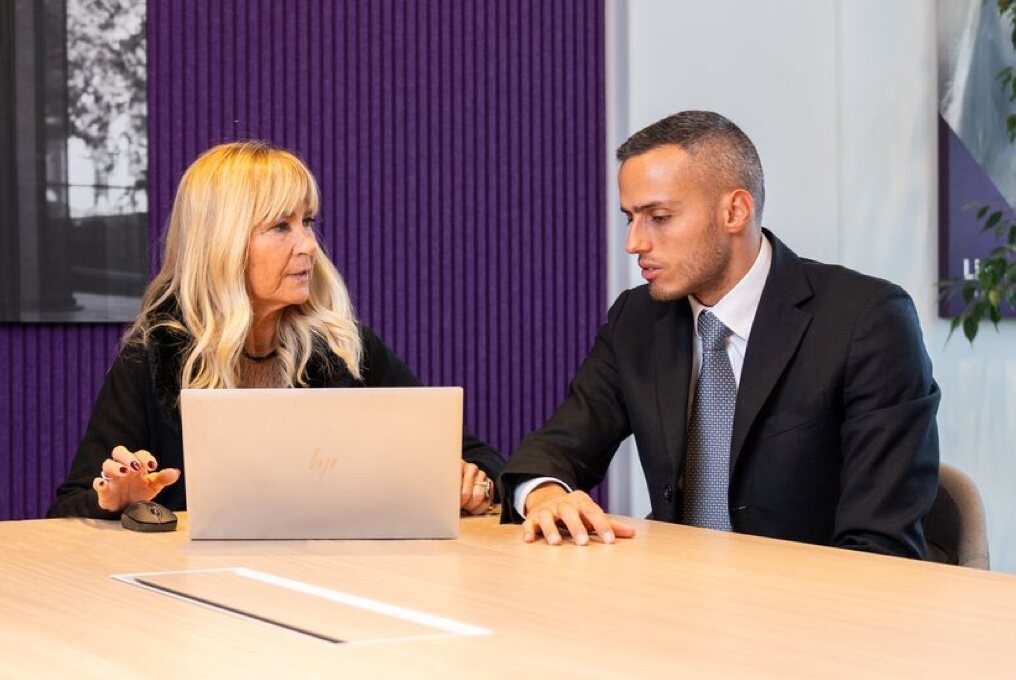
129 478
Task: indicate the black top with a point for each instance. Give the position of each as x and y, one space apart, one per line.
137 407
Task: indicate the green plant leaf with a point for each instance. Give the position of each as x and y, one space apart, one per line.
995 314
993 219
982 211
986 275
970 329
968 291
952 327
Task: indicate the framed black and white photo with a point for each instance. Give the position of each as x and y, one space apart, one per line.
73 160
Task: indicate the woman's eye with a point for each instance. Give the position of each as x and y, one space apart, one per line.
281 226
309 222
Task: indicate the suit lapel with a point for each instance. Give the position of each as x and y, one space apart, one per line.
672 353
776 334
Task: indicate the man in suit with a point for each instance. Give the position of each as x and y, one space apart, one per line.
768 394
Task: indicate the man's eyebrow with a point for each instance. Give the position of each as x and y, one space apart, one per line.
652 205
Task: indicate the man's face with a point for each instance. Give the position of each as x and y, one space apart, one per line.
674 224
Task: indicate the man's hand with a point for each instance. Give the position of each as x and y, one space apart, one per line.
550 503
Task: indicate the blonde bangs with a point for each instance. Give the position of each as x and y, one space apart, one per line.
282 186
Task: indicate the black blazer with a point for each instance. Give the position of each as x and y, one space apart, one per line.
138 407
834 439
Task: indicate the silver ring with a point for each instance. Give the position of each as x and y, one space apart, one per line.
486 484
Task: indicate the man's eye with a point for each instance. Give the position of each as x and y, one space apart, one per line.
659 219
628 219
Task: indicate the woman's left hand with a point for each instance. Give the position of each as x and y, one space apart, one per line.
477 490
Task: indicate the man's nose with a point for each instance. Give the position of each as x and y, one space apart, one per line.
636 242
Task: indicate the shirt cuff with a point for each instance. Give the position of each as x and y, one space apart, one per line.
525 488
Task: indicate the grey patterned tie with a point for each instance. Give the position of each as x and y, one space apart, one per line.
707 460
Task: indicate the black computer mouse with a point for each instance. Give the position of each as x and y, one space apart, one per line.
148 516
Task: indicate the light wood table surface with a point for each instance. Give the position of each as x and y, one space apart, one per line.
673 601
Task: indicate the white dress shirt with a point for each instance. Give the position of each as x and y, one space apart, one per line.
736 310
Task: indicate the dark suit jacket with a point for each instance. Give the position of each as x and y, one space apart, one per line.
834 439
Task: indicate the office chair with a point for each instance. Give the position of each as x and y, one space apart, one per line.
955 528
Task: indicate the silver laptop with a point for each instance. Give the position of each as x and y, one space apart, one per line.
322 463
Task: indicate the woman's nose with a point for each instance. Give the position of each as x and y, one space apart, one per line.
308 242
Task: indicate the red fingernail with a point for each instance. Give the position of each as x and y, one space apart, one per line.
151 465
123 470
136 465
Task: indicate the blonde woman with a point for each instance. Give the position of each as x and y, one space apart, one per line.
245 298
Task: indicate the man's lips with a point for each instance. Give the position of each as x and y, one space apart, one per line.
649 270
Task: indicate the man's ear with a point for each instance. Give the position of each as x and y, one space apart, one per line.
738 211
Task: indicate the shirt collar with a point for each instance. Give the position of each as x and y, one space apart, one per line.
736 310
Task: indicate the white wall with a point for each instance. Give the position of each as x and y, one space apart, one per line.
840 98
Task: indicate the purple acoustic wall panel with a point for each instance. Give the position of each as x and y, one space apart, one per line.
459 145
49 376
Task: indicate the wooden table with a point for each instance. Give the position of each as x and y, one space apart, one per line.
673 601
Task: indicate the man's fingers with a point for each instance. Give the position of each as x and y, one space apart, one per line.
573 520
529 528
598 520
548 525
579 514
622 530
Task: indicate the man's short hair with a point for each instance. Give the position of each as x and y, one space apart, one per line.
715 140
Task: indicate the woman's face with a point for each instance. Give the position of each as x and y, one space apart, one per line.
280 262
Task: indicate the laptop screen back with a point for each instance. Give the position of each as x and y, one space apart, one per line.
322 463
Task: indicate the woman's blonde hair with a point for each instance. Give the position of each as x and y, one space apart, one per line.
223 195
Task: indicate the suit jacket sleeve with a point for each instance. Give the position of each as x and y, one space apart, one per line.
382 368
118 418
577 443
889 474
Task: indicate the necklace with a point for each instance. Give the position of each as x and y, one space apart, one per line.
262 358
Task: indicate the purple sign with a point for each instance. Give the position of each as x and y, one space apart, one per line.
963 189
